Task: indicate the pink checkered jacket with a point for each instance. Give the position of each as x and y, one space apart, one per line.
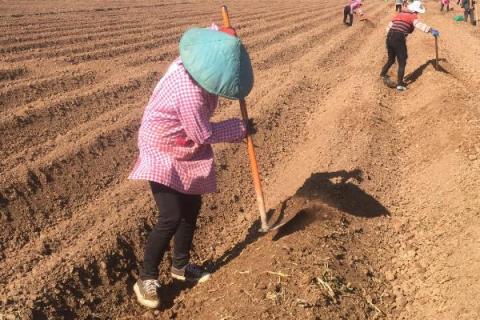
175 136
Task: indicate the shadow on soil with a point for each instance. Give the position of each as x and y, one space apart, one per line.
413 76
337 190
325 189
311 202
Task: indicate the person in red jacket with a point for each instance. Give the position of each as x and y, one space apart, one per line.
399 28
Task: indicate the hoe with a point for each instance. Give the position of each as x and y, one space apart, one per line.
277 218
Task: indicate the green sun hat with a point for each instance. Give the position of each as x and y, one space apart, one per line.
218 62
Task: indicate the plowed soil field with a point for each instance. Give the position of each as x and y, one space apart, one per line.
386 184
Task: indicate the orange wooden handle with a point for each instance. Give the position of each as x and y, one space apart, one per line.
226 18
257 184
250 148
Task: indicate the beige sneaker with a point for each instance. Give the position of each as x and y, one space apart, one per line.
191 272
147 292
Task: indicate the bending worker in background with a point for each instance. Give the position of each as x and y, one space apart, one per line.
351 8
445 3
175 139
399 28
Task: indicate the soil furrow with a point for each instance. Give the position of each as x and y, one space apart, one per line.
97 165
12 74
102 9
27 93
117 44
72 32
86 26
95 16
22 129
123 50
248 30
130 25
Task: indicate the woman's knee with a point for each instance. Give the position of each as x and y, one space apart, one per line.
168 220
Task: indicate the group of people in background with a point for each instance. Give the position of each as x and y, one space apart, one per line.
468 9
354 7
403 23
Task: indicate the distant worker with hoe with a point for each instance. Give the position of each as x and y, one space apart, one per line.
399 28
353 7
175 139
468 10
445 3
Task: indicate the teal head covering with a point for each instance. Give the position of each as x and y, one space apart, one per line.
218 62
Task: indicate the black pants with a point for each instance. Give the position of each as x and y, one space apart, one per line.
177 218
346 12
398 7
396 48
469 13
442 6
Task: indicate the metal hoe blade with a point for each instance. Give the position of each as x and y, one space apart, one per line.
279 218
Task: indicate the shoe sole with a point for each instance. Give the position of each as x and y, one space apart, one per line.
199 280
144 302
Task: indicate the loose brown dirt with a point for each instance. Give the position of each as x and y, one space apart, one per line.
385 185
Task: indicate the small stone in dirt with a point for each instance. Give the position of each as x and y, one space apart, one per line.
103 265
29 303
400 301
339 255
344 221
278 287
397 291
303 303
389 275
306 279
10 317
411 254
472 157
369 272
358 230
419 269
261 286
